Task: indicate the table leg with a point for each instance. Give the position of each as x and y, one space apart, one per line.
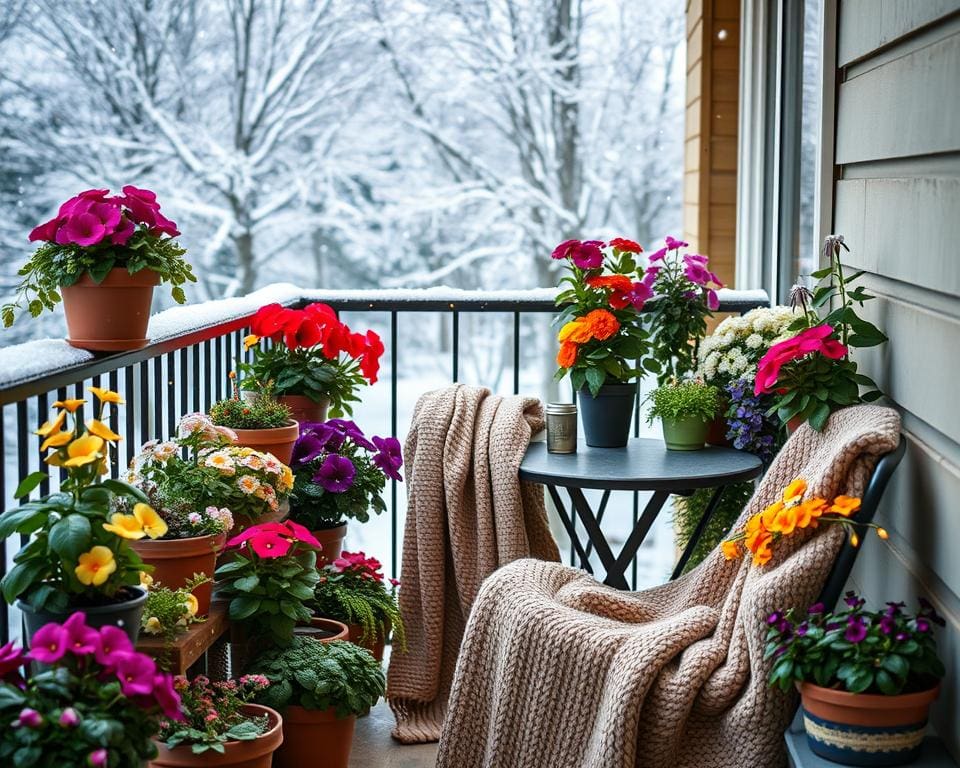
571 530
614 577
698 532
639 533
600 512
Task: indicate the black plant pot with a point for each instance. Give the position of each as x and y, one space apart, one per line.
608 416
124 614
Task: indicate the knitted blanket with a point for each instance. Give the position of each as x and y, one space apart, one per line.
467 515
558 670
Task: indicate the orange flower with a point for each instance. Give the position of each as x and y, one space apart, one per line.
809 512
763 553
845 505
576 331
795 490
567 355
616 282
602 324
731 550
785 521
755 531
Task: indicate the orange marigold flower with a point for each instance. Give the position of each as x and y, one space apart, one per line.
575 331
731 550
601 324
616 282
845 505
567 355
770 514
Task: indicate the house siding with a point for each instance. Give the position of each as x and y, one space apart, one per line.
896 199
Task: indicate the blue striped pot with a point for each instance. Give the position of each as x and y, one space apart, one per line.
865 729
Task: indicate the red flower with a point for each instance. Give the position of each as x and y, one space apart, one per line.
810 340
627 246
370 359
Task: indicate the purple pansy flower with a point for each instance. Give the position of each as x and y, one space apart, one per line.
348 429
389 458
816 608
856 630
335 474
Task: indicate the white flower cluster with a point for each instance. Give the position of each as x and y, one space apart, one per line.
734 348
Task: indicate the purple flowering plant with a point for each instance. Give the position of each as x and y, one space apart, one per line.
749 427
339 473
886 651
97 703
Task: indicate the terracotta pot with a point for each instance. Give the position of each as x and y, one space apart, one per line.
376 645
305 410
175 561
257 753
865 729
315 738
241 522
324 630
331 541
278 440
717 433
111 316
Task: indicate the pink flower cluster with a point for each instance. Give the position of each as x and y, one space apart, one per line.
358 564
816 339
92 218
272 540
694 270
588 254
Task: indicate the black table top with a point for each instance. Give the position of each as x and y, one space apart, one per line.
644 465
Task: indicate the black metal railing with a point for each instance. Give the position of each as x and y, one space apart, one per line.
188 371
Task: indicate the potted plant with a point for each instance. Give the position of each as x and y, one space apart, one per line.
103 255
338 475
220 725
259 422
352 590
320 688
685 409
78 556
811 374
602 339
168 612
314 362
860 674
268 579
97 702
686 295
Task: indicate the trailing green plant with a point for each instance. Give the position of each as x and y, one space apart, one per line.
684 399
352 590
261 411
168 612
92 234
689 510
320 676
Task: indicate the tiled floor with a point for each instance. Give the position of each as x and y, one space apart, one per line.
373 747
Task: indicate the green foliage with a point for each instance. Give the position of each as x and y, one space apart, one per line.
887 652
53 266
688 511
684 399
316 508
168 612
260 412
351 599
317 675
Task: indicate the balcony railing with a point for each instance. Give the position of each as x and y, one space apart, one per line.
185 368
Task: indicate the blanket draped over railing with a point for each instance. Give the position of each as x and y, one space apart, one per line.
558 670
467 515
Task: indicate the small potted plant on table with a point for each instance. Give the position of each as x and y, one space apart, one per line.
103 255
866 678
314 363
79 555
97 703
339 474
259 422
352 590
685 409
320 688
220 726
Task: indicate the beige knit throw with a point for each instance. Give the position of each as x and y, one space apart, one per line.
557 670
467 515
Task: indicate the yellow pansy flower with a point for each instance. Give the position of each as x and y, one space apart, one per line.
56 440
125 526
193 605
107 395
95 566
53 425
250 341
70 405
83 450
98 428
146 580
153 525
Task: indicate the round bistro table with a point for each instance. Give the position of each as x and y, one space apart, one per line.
643 465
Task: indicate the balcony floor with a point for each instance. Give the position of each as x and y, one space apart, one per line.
373 747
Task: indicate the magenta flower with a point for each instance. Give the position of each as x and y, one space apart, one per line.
336 474
390 457
586 254
167 697
46 231
142 204
49 643
658 255
69 718
135 672
302 534
269 545
673 244
11 659
84 229
713 300
123 232
856 630
29 718
563 250
81 639
113 640
257 530
99 758
639 294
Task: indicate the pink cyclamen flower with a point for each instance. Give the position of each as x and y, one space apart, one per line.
82 640
99 758
49 643
29 718
136 672
113 640
69 718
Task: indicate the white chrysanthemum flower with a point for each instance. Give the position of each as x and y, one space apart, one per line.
754 341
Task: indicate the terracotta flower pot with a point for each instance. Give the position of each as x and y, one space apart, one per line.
305 410
111 316
315 738
175 561
865 729
324 630
331 541
278 440
376 645
244 648
257 753
124 613
717 433
242 522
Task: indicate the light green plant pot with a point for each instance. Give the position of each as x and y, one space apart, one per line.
686 434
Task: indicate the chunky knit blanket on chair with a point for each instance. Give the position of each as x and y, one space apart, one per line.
559 671
467 515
